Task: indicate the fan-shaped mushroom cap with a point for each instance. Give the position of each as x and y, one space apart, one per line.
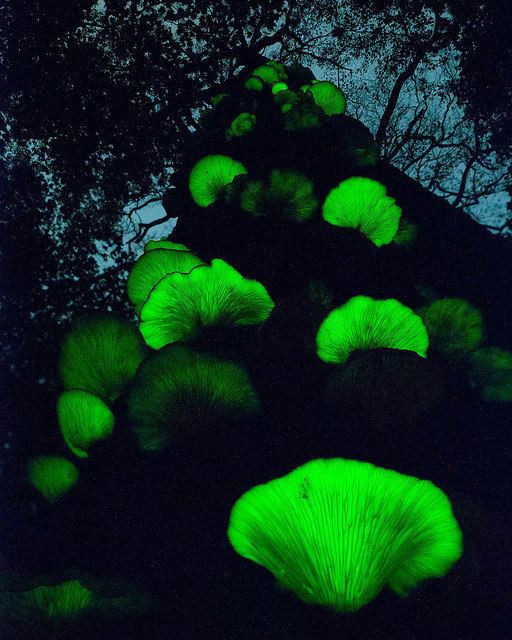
490 371
52 476
302 116
453 325
100 355
152 266
270 72
289 194
243 124
279 86
210 176
178 391
328 97
362 203
164 243
253 84
365 323
83 420
406 234
336 532
180 305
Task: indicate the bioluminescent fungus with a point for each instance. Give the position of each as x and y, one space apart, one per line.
406 234
336 532
270 72
83 420
210 176
219 98
289 194
181 305
254 84
364 323
151 267
328 97
164 243
490 372
362 203
100 355
277 87
302 116
453 325
52 476
243 124
179 392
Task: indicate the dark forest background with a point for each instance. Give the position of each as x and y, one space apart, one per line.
99 110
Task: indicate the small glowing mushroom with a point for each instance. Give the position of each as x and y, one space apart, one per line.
406 234
152 266
302 116
289 194
219 98
336 532
83 420
181 305
490 371
328 97
100 355
270 72
179 392
210 176
362 203
243 124
364 323
277 87
453 325
52 476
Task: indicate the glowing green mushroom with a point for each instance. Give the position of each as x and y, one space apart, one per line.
100 355
336 532
288 193
179 392
243 124
364 323
270 72
152 266
328 97
52 476
406 234
164 243
253 84
83 420
490 371
362 203
302 116
278 87
180 305
210 176
453 325
219 98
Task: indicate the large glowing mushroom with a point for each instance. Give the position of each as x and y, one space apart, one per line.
364 323
100 355
328 97
362 203
181 305
336 532
179 393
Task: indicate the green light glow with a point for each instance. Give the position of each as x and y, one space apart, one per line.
491 373
52 476
364 323
288 193
180 305
61 601
453 325
243 124
302 116
279 86
328 97
210 176
164 243
100 355
178 392
83 420
270 72
362 203
406 234
253 84
219 98
336 532
152 266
